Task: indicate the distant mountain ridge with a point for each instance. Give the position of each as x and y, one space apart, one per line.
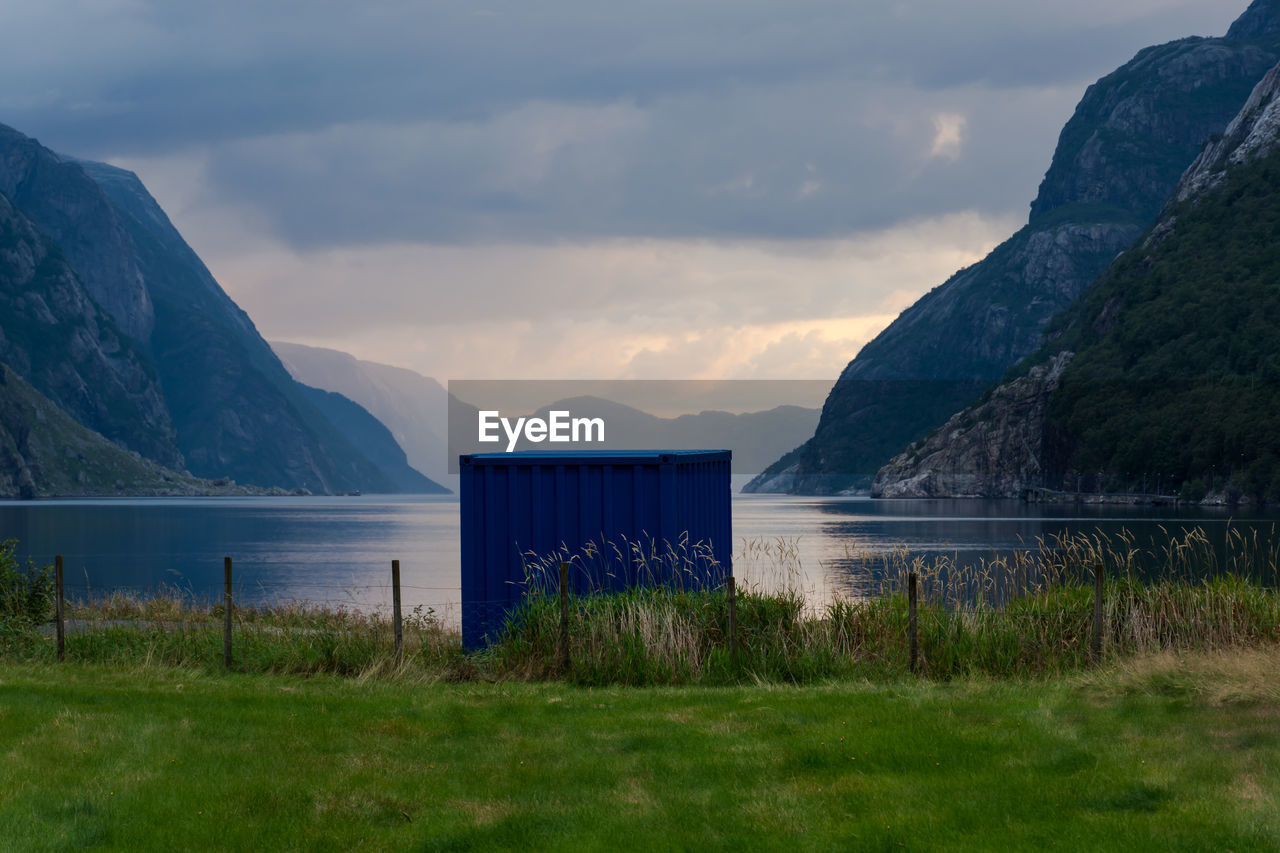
421 415
754 437
1117 160
153 353
412 406
375 440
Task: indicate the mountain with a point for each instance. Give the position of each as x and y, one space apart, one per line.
1117 160
140 343
418 412
1164 375
45 453
414 407
55 336
365 431
72 211
237 410
754 437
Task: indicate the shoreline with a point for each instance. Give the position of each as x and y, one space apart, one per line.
1050 496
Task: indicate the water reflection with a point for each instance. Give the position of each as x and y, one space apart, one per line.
334 551
338 551
842 544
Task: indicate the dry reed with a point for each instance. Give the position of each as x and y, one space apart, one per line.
1023 614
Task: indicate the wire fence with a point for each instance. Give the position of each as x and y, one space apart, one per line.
310 626
1068 604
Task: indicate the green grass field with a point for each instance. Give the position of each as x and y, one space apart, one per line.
1166 753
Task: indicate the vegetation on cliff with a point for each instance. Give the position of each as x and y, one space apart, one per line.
1117 160
1177 364
46 453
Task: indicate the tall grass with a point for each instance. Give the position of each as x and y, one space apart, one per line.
26 594
624 564
172 628
658 614
1024 615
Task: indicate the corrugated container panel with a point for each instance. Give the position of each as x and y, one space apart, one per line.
620 517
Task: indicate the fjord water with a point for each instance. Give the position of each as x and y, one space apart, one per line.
338 550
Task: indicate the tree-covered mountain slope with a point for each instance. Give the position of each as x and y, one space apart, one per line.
1170 363
1117 160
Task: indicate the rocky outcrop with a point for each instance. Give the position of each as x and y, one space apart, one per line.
1135 130
1118 159
1260 20
991 450
1252 134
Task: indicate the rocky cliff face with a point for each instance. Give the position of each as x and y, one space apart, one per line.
237 411
1251 135
70 209
55 336
1117 160
1164 372
990 450
1260 20
1135 130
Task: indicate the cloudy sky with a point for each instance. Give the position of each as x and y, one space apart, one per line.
576 188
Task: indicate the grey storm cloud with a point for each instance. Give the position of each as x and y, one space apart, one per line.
357 123
766 163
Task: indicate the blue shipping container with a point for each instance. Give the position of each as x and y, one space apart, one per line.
619 517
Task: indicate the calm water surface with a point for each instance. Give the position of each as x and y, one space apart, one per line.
338 550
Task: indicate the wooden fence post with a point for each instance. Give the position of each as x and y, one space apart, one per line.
564 617
913 636
731 590
226 616
1095 641
395 610
59 611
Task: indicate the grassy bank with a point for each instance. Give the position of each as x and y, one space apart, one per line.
1025 616
660 637
1166 752
663 637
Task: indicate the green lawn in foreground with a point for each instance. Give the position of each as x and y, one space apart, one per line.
1168 754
